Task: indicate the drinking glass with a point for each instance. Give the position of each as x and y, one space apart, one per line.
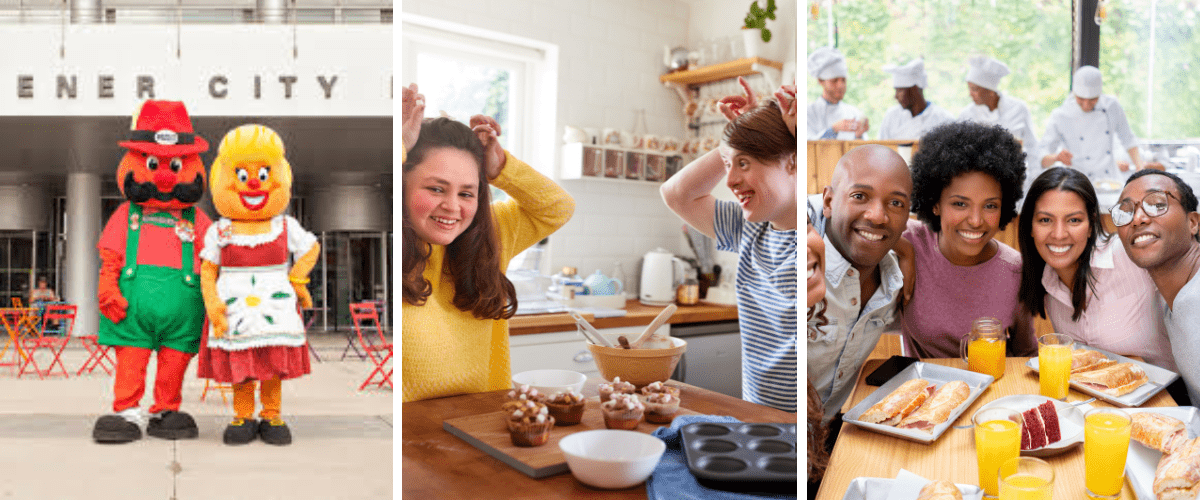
1054 365
1026 478
983 348
997 440
1105 445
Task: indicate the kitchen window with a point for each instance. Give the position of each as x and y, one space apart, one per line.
463 71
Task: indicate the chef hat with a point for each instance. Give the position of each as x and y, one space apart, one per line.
826 63
1087 82
986 72
908 75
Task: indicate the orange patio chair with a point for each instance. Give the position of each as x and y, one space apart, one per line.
378 351
53 336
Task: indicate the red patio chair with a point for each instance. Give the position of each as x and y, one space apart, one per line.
99 356
378 351
53 335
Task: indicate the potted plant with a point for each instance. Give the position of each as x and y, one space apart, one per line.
756 19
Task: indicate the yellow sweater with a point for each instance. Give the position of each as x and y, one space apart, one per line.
447 351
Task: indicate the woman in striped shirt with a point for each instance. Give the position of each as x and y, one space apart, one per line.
1079 276
757 161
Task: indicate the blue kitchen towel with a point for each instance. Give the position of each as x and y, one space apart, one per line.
673 481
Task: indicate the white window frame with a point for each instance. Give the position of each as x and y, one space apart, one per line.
533 66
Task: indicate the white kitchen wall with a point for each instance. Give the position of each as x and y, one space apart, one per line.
610 58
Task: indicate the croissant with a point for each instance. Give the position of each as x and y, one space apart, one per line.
897 405
1115 380
938 407
940 490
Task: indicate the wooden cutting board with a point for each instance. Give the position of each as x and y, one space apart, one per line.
489 433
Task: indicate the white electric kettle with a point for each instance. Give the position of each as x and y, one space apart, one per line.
662 271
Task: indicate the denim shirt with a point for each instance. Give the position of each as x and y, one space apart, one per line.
837 351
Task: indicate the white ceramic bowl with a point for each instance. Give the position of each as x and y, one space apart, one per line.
549 382
612 459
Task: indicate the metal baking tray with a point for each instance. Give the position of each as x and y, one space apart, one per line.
738 451
1141 461
1159 379
876 488
935 374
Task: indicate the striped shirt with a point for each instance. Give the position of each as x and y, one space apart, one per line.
766 300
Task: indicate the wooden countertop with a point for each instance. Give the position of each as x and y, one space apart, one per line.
952 456
636 314
439 465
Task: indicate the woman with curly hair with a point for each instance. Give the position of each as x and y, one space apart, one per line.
1078 276
456 245
967 178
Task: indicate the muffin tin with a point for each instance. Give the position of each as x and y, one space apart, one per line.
738 451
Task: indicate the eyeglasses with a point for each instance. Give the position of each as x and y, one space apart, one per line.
1154 204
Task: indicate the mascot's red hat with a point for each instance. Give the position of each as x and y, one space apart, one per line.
164 129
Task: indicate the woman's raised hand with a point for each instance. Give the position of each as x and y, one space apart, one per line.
786 96
734 105
413 112
488 131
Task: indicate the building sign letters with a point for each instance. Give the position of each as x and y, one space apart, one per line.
143 86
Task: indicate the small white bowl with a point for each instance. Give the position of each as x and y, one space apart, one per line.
612 459
549 382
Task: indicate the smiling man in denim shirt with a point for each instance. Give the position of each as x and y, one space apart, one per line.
863 213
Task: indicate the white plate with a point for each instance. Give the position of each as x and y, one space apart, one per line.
1141 461
877 488
935 374
1070 421
1159 379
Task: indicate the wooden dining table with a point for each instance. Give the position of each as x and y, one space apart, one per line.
859 452
438 465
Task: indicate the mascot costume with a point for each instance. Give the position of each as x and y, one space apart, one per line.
251 295
149 292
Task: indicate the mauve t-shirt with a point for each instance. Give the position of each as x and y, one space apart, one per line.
947 298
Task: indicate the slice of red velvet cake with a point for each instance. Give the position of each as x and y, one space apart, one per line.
1034 429
1050 422
1041 426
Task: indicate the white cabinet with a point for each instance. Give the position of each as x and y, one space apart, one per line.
563 350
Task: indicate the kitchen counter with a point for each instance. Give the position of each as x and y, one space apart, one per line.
437 465
636 314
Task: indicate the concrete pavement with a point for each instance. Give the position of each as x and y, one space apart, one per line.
342 440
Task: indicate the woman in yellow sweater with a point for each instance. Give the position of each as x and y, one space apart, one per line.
456 245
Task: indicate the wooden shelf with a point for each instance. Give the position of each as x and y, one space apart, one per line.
732 69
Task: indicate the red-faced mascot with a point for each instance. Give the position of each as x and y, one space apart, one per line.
150 298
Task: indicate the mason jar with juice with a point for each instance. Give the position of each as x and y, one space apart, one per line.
984 348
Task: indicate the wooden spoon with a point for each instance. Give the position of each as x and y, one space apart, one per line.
658 321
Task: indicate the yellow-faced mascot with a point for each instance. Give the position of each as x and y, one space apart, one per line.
251 295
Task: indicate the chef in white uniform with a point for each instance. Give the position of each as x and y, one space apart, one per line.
1081 132
828 116
996 108
913 116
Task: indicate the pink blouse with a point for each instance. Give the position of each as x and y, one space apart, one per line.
1124 312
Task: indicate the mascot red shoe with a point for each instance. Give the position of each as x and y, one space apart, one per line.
149 293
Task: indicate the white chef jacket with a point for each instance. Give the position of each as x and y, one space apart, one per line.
822 115
899 123
1012 114
1089 136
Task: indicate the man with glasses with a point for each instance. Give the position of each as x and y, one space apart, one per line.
1158 224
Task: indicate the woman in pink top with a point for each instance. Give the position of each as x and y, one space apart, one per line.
1079 276
967 178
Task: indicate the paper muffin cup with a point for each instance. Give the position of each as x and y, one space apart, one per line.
661 413
531 434
566 414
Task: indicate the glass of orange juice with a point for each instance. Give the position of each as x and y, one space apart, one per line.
997 440
1054 365
1026 478
983 348
1105 445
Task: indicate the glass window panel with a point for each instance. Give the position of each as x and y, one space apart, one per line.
1032 37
